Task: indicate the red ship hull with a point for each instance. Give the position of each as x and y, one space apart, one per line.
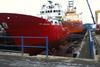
33 26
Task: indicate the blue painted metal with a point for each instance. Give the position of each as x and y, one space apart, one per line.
34 46
9 45
47 48
91 44
20 37
23 46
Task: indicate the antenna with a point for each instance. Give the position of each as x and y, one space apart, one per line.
70 3
70 7
91 11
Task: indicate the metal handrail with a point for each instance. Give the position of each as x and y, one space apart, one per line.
91 44
23 46
20 37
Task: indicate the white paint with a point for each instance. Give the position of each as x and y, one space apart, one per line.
32 7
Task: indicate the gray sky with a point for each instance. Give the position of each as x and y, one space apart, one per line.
32 7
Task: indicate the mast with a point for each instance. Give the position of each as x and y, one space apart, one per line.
70 7
91 11
70 3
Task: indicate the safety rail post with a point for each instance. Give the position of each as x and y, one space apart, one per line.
22 44
46 49
91 44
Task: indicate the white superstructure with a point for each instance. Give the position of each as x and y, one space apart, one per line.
52 12
71 14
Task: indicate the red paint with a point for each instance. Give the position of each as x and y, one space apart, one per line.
33 26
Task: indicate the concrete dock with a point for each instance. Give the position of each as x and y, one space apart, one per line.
84 53
97 39
17 60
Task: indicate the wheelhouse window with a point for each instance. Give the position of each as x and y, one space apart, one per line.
50 11
42 12
58 13
56 10
50 7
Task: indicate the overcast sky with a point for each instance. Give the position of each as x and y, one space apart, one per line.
32 7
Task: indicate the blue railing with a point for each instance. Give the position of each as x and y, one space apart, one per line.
91 44
23 46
